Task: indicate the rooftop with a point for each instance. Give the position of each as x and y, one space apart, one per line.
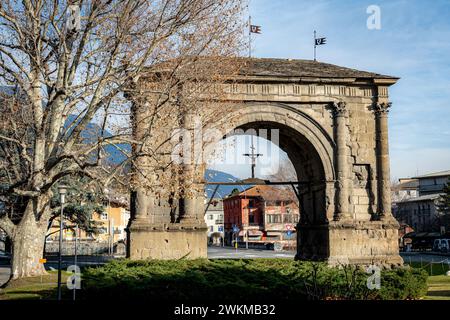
427 197
267 193
303 68
279 68
406 184
434 175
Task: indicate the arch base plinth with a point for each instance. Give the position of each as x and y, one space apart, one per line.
167 241
344 243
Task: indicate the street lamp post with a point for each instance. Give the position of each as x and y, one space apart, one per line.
75 261
62 193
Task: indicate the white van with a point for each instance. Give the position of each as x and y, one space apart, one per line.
441 245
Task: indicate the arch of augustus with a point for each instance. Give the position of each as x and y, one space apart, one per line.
332 123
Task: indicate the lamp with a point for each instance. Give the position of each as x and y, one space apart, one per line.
62 189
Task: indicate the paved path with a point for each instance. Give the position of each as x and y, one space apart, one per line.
241 253
231 253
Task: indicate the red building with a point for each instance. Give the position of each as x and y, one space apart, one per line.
262 214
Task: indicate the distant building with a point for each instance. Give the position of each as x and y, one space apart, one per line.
421 212
214 221
111 223
262 214
406 188
433 183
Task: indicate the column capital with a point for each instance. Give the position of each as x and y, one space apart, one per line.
381 108
339 109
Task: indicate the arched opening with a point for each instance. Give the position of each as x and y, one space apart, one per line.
303 142
307 165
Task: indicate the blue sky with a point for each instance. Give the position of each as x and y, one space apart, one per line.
413 44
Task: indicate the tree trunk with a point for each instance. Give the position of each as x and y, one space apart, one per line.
28 248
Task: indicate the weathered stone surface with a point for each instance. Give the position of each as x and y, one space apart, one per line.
332 123
168 242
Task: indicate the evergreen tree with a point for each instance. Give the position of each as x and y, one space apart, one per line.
83 198
443 207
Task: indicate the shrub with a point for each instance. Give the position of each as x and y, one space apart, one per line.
232 280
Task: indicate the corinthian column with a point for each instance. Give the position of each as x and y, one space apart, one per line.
341 136
139 194
382 152
191 208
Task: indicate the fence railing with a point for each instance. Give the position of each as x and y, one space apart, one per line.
428 265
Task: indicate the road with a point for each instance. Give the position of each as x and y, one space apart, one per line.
231 253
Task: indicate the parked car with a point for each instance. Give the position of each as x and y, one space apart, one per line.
441 245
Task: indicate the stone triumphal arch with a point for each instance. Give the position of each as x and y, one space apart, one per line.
333 124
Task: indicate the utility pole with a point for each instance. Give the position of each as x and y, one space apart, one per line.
253 156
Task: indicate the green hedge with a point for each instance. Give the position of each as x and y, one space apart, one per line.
232 280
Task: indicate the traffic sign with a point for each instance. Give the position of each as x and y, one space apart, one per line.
289 227
289 233
235 229
220 228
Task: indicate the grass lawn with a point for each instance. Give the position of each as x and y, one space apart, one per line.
438 288
35 288
438 282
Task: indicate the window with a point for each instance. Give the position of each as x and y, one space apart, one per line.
104 216
251 203
274 218
210 217
251 218
211 228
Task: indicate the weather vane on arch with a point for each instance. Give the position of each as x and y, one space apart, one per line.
318 42
252 29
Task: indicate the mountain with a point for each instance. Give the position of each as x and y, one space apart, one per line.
115 157
92 132
219 176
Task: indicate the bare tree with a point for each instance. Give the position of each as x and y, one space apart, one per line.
285 172
74 63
